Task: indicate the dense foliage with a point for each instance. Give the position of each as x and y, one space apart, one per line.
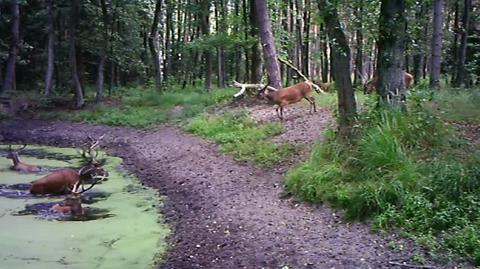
406 171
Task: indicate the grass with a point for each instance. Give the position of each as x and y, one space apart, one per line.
242 137
140 107
457 105
405 171
144 107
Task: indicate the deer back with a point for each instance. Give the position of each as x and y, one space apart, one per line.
58 182
294 93
26 167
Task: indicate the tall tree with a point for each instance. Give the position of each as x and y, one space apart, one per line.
103 52
9 80
205 26
255 52
50 50
268 43
306 38
418 35
391 52
324 49
74 13
347 108
359 45
437 43
460 77
154 44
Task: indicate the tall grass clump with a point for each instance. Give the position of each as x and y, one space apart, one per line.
241 136
404 170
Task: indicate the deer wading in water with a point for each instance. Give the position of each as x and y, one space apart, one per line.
19 165
73 182
63 181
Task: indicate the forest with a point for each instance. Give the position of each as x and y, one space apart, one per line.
276 134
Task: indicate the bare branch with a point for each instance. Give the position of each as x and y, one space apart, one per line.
287 63
243 87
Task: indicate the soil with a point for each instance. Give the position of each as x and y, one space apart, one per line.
471 132
300 128
226 214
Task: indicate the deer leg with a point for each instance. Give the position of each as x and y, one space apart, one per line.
276 110
313 103
281 113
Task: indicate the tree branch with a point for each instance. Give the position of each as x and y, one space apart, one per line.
287 63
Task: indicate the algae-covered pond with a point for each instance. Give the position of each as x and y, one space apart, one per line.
127 233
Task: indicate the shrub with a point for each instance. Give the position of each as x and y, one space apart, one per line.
404 170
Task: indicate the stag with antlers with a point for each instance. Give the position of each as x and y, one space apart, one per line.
74 182
19 165
68 180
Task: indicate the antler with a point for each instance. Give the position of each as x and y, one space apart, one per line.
80 188
19 149
97 178
87 153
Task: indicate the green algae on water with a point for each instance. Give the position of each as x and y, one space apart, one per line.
133 237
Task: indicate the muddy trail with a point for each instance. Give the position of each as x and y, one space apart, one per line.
225 214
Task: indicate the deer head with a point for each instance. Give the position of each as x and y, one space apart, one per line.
92 172
13 153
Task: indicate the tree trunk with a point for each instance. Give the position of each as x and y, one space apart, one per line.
268 43
103 54
306 39
8 82
79 101
154 44
324 47
255 52
417 67
347 108
207 54
220 53
50 50
170 38
456 30
391 52
437 43
359 54
420 37
461 71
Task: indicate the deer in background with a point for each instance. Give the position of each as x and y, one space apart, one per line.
290 95
372 84
17 164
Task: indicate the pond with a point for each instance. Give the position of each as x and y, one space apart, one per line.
122 228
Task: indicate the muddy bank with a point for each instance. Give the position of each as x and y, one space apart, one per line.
225 214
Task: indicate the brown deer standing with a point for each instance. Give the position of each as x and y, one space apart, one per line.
291 95
17 164
372 84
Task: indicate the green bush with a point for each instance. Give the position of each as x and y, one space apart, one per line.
407 171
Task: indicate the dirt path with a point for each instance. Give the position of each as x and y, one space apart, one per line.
224 214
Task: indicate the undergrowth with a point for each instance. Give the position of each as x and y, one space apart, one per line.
144 107
242 137
407 171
